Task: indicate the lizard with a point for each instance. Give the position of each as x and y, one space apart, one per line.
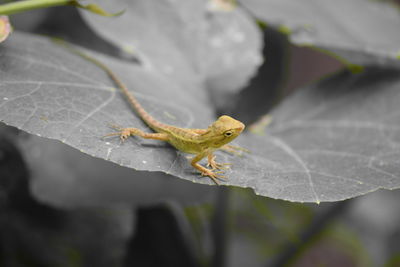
200 142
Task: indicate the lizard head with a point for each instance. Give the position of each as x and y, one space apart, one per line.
224 130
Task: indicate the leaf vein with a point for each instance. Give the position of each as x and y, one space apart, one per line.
89 115
284 146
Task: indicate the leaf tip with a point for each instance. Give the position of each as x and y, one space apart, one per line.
97 9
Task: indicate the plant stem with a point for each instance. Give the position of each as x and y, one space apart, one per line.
21 6
219 227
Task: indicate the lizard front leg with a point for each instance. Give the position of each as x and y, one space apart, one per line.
214 165
235 150
124 133
204 171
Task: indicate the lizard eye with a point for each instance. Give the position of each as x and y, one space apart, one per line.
228 133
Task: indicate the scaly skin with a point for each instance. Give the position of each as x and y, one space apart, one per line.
201 142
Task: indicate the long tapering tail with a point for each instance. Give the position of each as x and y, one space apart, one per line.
146 117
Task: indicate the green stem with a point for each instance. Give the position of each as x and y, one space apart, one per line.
21 6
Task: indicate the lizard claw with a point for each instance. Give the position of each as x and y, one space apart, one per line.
122 136
213 175
122 133
116 127
111 134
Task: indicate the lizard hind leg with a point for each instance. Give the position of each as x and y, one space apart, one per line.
124 133
234 150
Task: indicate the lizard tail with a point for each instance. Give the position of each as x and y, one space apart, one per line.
146 117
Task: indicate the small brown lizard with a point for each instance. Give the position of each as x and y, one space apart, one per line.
201 142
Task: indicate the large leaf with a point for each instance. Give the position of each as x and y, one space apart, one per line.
361 31
49 92
185 39
334 140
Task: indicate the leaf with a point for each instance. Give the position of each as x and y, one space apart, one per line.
96 9
331 141
334 140
186 40
49 92
360 31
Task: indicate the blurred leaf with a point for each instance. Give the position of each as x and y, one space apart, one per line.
267 88
336 246
393 262
187 40
266 225
34 234
359 31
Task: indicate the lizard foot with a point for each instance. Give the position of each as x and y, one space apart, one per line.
123 133
213 175
214 165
